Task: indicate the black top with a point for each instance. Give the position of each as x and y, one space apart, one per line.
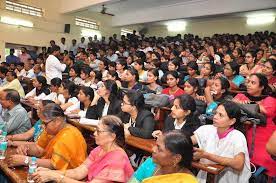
192 123
144 124
95 112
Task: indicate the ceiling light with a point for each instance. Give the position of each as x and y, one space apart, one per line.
260 19
176 26
14 21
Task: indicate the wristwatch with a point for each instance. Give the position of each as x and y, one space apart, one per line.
26 161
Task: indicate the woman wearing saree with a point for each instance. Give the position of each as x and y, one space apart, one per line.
171 160
106 163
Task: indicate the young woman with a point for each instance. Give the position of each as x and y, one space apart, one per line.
113 75
40 89
152 79
269 71
191 88
139 66
85 76
192 69
106 163
74 75
139 122
231 72
121 66
171 160
216 93
250 66
54 87
85 96
258 92
109 102
224 144
172 81
173 65
69 91
131 77
182 117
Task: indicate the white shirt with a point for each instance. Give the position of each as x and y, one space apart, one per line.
113 58
53 68
105 109
229 146
29 74
74 49
178 127
63 47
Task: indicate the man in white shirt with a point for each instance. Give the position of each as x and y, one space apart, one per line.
74 47
111 55
82 44
62 45
53 66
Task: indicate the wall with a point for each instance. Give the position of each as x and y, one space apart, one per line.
49 27
211 26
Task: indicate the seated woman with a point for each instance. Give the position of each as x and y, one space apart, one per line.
191 88
139 122
113 75
182 116
69 91
74 75
32 134
269 71
231 72
258 92
85 76
250 65
65 150
106 163
109 102
192 69
152 79
171 160
131 79
54 95
172 80
224 144
40 89
85 96
216 93
139 67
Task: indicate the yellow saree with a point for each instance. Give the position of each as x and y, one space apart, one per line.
172 178
67 149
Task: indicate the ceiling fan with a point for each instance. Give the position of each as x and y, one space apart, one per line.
103 11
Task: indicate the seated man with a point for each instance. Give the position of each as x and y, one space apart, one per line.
13 83
66 149
14 116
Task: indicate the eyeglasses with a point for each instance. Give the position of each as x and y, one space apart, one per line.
100 131
46 123
125 103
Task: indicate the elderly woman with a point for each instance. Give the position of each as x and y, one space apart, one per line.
171 160
33 134
106 163
65 150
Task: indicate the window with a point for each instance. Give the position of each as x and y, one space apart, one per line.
86 23
126 31
24 9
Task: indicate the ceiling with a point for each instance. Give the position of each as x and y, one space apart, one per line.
124 6
130 12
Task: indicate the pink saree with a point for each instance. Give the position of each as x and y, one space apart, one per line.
112 167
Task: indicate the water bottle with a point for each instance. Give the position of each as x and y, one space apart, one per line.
3 148
3 132
32 169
